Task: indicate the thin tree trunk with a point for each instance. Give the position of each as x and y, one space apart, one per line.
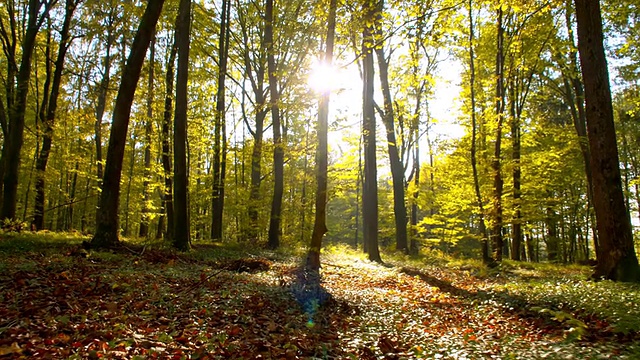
107 216
320 223
275 229
516 224
496 233
397 169
15 139
370 191
219 155
484 241
167 195
49 121
127 201
148 133
181 228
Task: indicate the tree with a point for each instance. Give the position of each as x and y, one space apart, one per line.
220 142
370 189
16 106
275 231
388 119
107 216
167 194
482 228
148 132
617 258
48 124
181 228
498 182
320 226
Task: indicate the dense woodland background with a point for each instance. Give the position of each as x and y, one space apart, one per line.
520 173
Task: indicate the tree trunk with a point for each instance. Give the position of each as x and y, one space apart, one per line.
320 224
553 243
127 201
370 191
573 83
496 232
397 169
617 258
107 215
275 231
181 228
219 156
516 224
484 241
15 139
48 124
102 95
148 133
167 195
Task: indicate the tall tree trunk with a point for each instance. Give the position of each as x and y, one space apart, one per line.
107 215
275 230
148 133
496 232
219 156
167 195
552 241
127 199
72 196
574 82
484 241
516 224
252 230
320 224
103 90
617 258
181 228
370 191
397 169
48 123
15 139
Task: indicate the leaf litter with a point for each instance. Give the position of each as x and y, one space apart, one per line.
163 305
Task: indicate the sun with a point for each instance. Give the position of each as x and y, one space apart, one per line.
323 77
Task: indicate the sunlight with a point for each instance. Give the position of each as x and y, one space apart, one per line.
323 77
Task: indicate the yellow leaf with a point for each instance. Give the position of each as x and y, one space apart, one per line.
14 348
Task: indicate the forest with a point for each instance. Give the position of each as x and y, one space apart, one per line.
474 154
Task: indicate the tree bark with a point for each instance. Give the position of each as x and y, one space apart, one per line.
48 124
388 119
148 133
573 83
167 195
496 232
181 228
484 239
275 231
320 224
370 190
617 258
107 215
102 95
15 139
516 225
219 156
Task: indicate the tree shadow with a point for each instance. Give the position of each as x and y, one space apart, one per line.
524 308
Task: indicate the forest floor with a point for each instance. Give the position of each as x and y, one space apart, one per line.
219 302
